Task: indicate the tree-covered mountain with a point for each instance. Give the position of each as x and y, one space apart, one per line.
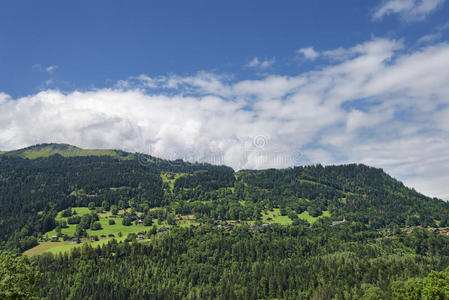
46 150
209 232
39 181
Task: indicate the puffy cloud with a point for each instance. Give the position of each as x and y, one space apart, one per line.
261 64
308 53
51 69
409 10
372 103
48 69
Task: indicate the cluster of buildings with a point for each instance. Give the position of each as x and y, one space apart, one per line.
440 231
216 223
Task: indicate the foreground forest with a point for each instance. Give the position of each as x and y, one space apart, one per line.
343 232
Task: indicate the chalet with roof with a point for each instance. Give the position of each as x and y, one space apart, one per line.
338 222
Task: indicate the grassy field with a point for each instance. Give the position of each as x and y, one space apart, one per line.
170 178
104 221
61 247
63 150
33 154
43 247
118 227
65 247
115 229
79 211
305 216
276 217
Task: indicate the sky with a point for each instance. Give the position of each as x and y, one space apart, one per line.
249 84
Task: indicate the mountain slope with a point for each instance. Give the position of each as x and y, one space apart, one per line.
46 150
33 191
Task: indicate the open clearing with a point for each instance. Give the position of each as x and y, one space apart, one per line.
60 246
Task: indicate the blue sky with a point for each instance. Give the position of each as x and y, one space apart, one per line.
94 43
252 84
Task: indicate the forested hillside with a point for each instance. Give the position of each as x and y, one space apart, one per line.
32 191
207 231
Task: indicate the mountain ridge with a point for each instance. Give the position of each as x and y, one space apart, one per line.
45 150
66 150
33 191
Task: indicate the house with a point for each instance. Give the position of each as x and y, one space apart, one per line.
164 229
338 222
139 222
255 228
54 238
73 241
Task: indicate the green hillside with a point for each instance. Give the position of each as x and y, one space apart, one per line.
46 150
67 176
207 232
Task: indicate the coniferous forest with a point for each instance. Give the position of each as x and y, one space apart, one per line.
341 232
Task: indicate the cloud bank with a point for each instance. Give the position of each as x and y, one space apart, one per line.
373 103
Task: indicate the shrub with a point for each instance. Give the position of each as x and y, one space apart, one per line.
126 221
66 213
74 220
95 226
148 221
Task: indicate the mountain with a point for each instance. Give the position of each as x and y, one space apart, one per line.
194 230
59 176
46 150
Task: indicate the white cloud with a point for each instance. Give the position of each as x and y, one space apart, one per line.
48 69
375 104
432 37
373 48
428 38
308 53
261 64
408 10
51 69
